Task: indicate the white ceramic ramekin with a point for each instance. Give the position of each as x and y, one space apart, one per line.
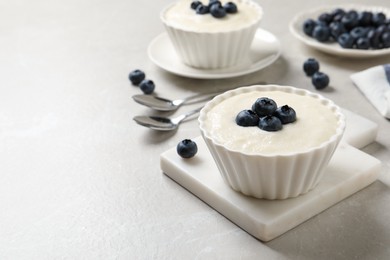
278 176
213 50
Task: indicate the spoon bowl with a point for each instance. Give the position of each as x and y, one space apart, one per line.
164 123
164 104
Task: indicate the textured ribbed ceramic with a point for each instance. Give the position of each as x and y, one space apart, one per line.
213 50
272 176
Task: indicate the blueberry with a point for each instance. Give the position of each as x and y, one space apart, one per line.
213 2
336 29
350 19
195 4
320 80
325 18
379 19
147 86
136 76
217 11
308 26
270 123
379 31
187 148
230 8
311 66
358 32
385 38
247 118
374 39
346 40
362 43
321 32
264 106
350 27
337 11
365 18
202 9
337 14
286 114
381 28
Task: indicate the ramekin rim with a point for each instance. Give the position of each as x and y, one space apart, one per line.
335 138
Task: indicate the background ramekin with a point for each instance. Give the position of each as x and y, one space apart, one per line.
213 50
272 176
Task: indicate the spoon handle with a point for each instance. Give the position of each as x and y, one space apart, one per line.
200 97
186 115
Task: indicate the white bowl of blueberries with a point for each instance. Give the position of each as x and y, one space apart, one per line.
347 30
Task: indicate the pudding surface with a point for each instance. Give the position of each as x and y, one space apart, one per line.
315 124
180 15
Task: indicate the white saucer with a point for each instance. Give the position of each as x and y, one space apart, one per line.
264 51
334 48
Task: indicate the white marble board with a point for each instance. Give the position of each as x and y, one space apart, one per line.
349 171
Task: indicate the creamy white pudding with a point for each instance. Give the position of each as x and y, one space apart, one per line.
315 124
180 15
272 165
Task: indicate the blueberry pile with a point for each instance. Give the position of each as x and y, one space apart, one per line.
187 148
137 78
266 115
351 29
319 79
215 8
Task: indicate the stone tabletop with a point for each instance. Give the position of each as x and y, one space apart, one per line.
79 179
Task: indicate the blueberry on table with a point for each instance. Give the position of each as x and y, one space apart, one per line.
320 80
230 8
264 106
321 32
286 114
311 66
247 118
308 26
270 123
147 86
187 148
217 11
136 76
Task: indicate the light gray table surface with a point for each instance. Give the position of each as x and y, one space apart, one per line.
79 179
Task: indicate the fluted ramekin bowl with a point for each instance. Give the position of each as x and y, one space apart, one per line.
277 175
212 49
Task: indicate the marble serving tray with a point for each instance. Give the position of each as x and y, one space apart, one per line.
349 171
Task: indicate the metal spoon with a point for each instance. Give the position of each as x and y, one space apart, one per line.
164 104
164 123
